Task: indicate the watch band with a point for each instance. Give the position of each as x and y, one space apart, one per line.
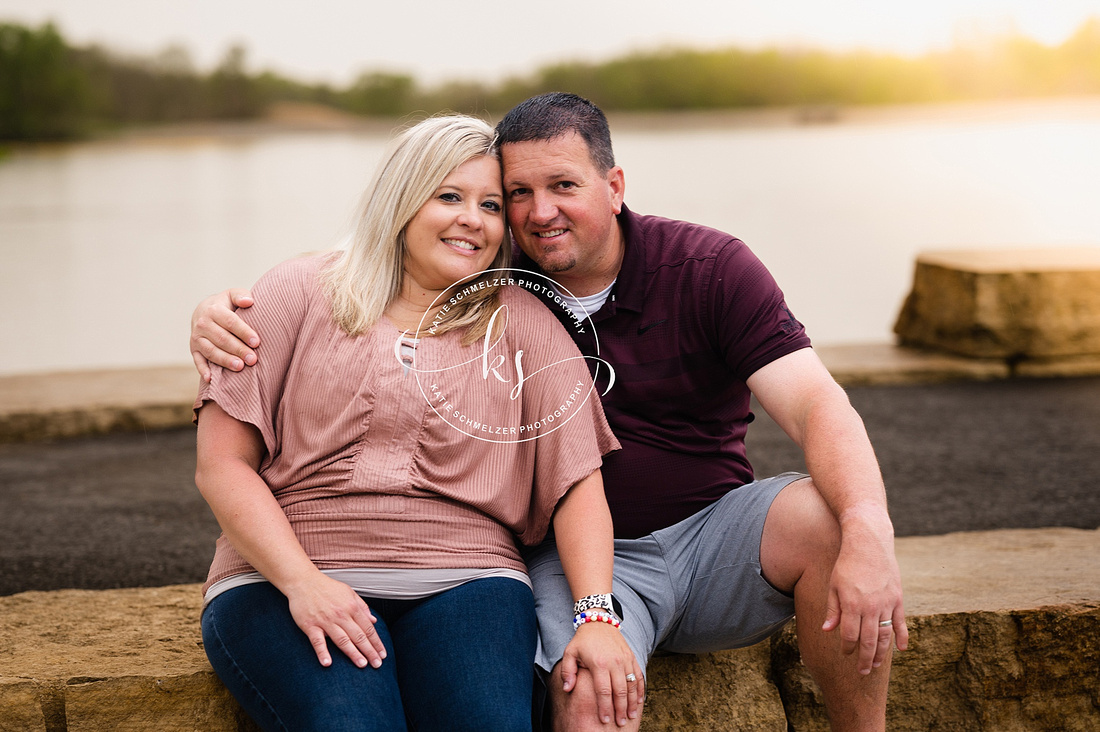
606 602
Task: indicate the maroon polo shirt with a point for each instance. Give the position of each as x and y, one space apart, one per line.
692 315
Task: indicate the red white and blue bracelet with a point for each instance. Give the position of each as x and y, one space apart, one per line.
595 617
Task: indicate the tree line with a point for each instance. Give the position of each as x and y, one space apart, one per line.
50 89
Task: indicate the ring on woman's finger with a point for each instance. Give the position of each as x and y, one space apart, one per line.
631 677
885 623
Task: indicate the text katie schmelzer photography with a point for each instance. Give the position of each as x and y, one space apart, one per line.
512 370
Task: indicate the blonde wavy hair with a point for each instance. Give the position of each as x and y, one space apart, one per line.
364 279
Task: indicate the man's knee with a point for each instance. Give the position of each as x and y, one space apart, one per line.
576 710
800 531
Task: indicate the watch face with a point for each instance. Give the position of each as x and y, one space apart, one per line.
616 607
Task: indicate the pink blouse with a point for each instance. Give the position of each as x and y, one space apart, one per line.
437 466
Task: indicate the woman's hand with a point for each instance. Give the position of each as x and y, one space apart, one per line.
585 540
229 452
602 650
219 335
326 608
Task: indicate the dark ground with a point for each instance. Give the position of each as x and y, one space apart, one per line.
123 511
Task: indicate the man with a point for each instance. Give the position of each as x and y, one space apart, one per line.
706 557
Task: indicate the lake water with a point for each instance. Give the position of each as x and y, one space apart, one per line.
106 247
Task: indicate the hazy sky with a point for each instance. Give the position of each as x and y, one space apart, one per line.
333 40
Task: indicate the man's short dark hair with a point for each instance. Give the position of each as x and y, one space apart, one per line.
550 115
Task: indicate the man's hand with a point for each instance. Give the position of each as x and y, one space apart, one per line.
218 335
864 586
865 592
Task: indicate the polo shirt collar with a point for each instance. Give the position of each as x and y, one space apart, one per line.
629 290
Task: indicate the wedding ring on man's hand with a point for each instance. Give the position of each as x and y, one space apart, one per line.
631 677
885 623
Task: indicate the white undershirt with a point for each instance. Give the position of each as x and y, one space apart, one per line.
583 307
408 352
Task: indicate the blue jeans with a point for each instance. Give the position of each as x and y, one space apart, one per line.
459 660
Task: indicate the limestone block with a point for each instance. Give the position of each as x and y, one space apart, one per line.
1009 671
74 635
20 710
1012 676
729 690
126 659
195 703
1002 627
802 699
1004 635
1011 304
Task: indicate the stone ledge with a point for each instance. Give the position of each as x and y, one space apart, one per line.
1005 630
876 364
68 404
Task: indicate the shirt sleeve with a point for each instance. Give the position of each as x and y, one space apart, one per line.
752 324
253 395
572 435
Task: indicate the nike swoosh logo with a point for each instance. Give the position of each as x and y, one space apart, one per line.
654 324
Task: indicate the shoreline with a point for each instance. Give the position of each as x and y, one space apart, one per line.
296 118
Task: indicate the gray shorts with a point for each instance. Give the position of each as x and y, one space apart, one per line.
693 587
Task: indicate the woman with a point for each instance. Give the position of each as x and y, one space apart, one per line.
359 511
